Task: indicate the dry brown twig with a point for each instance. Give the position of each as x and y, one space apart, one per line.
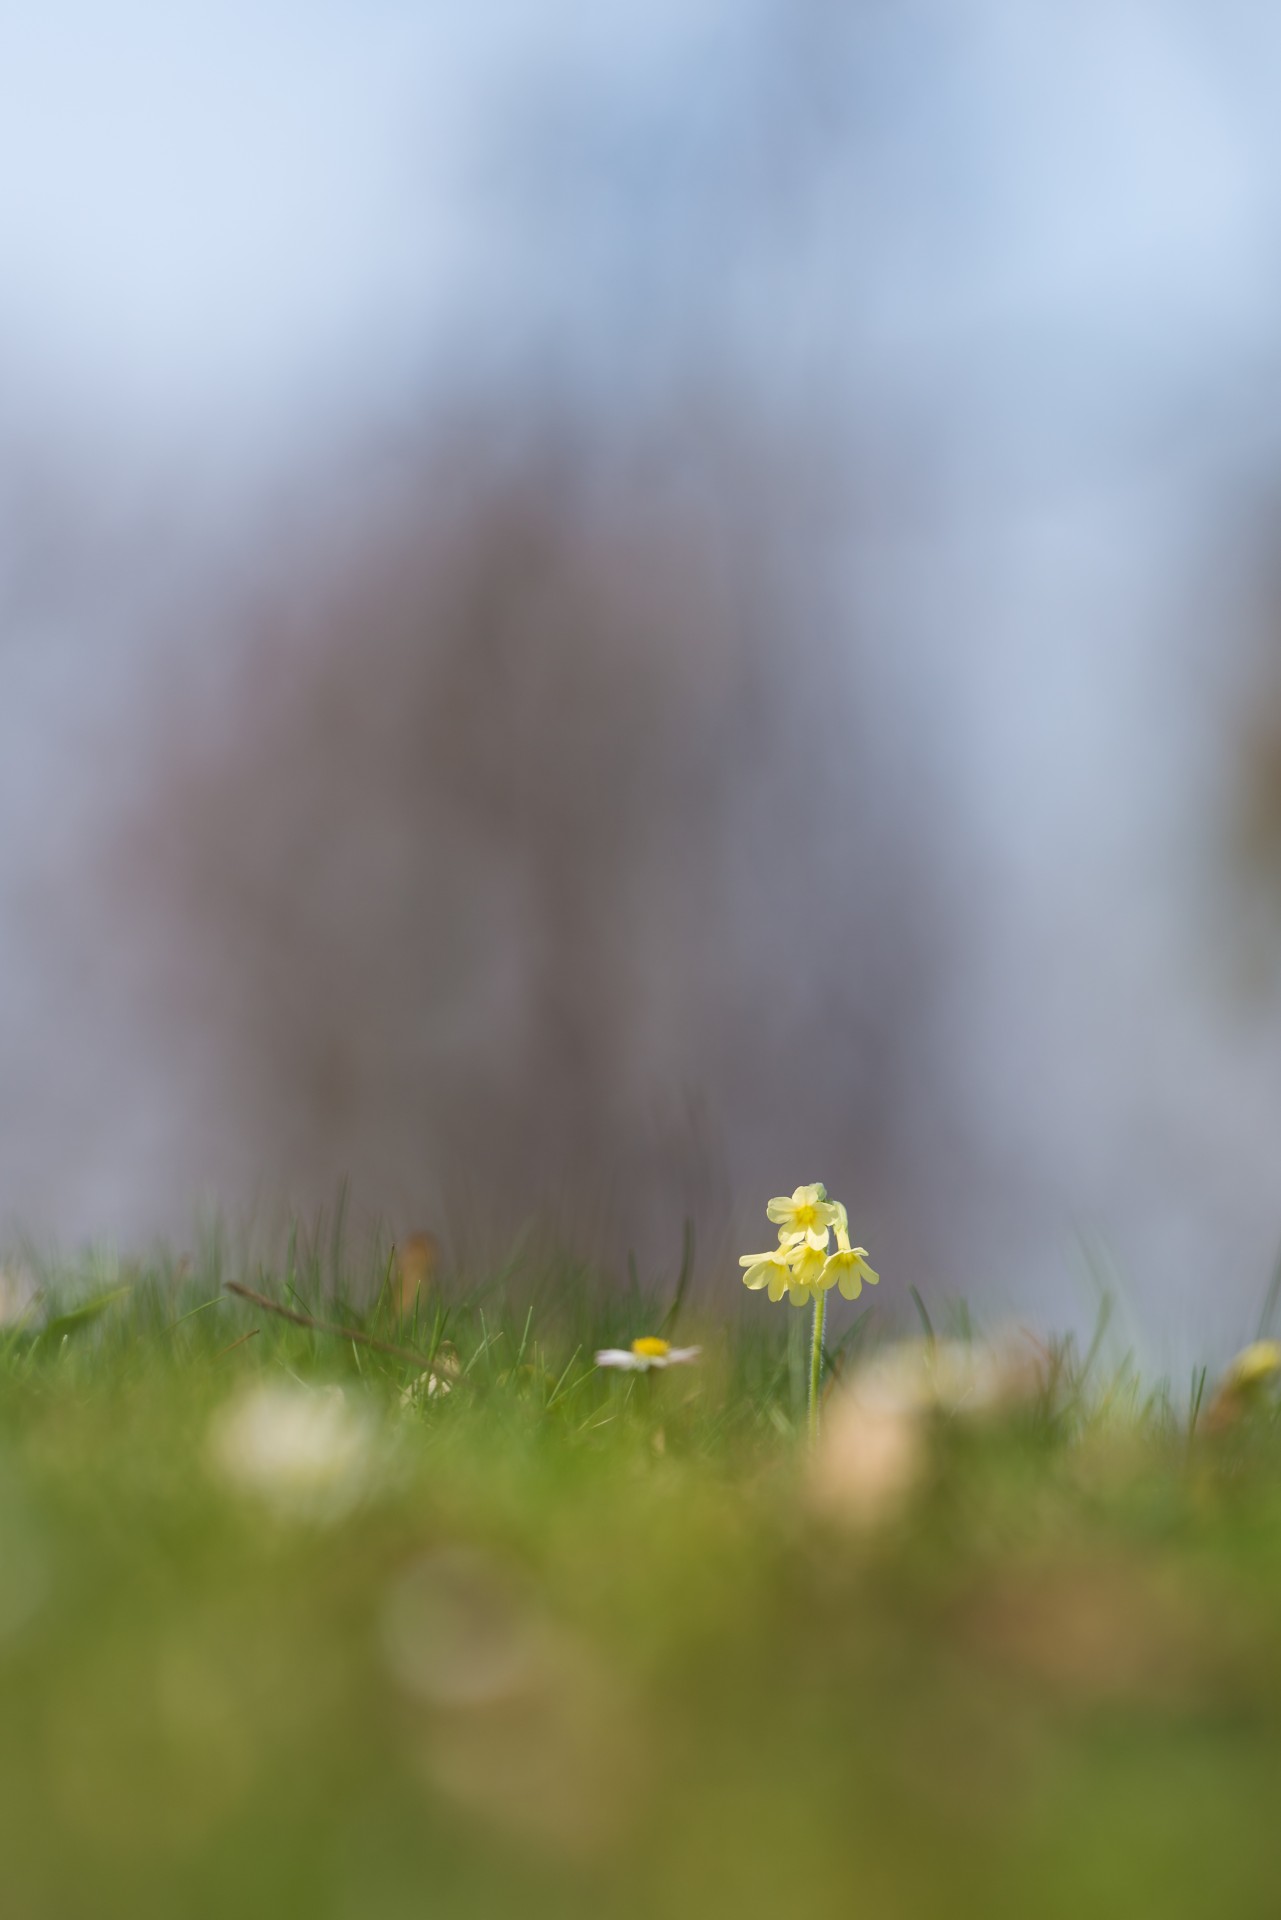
325 1326
237 1343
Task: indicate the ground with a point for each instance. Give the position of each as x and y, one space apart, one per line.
293 1624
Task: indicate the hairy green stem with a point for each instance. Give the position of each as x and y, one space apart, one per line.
816 1361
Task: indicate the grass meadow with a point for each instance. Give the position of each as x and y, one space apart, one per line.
446 1620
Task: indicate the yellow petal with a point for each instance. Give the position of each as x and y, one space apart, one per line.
1259 1361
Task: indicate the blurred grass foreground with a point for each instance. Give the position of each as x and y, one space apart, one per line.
410 1608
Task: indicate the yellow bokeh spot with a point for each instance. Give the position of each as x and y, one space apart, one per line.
1255 1364
650 1347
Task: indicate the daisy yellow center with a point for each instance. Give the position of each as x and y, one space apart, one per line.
651 1348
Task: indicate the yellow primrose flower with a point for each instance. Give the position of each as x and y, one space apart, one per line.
1242 1387
1260 1361
772 1269
649 1351
801 1267
809 1216
807 1274
847 1268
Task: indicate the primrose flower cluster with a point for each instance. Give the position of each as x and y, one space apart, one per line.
801 1265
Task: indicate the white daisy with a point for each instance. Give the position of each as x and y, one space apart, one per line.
646 1353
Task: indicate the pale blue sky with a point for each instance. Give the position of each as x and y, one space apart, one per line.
218 212
212 206
1032 248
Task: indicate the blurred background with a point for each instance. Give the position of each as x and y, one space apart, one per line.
606 611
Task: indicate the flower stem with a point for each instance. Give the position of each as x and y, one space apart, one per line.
816 1362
